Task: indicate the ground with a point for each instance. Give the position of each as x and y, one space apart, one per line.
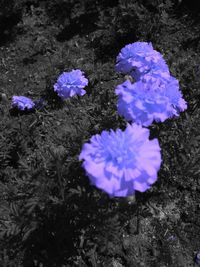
50 214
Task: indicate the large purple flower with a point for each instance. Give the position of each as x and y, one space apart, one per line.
156 99
120 162
22 102
70 84
139 58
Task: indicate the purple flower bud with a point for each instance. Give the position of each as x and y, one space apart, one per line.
70 84
22 102
40 103
120 162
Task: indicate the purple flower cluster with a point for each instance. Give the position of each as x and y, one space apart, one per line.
70 84
155 96
121 162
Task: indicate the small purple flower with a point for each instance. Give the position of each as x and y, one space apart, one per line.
120 162
22 102
155 99
138 59
70 84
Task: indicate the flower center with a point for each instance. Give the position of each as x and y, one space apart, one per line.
121 153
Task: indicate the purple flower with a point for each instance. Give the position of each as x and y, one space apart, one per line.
198 258
70 84
120 162
156 99
138 59
22 102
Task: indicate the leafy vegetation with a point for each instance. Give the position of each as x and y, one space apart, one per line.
49 213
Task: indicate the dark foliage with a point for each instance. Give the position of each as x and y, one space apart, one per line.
49 213
10 15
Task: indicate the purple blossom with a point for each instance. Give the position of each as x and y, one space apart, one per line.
70 84
156 99
22 102
138 59
120 162
198 258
